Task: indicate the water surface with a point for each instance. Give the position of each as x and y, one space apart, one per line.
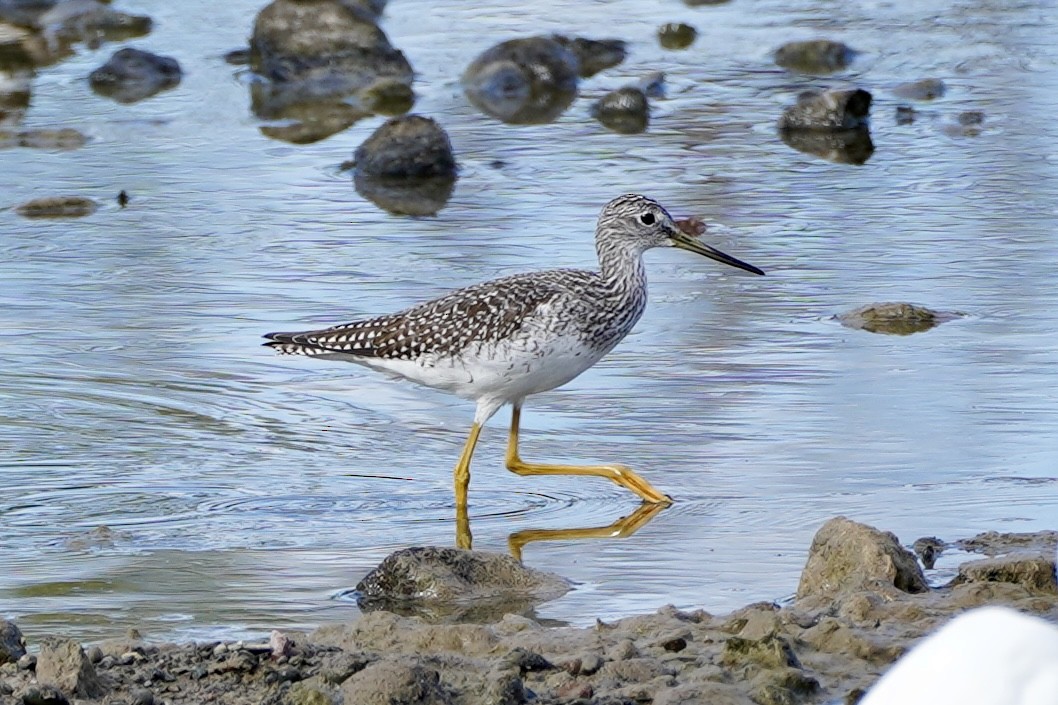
243 491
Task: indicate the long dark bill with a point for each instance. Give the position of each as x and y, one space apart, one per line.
686 242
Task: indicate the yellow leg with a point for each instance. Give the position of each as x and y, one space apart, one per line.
464 539
618 473
462 471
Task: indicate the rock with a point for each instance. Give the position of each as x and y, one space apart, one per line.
928 549
815 56
63 664
988 656
1036 573
388 96
131 75
676 35
844 109
893 318
410 146
838 146
434 574
42 695
391 681
27 662
312 692
593 55
325 45
783 686
770 652
57 207
301 122
967 124
523 81
994 543
905 115
847 556
924 89
12 643
625 110
60 140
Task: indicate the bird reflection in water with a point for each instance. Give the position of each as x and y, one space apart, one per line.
619 529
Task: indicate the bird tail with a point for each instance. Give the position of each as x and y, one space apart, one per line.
288 344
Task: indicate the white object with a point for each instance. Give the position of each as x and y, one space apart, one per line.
988 656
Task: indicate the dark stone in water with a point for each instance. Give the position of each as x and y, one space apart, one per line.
843 109
132 75
676 35
815 56
410 146
625 110
523 81
594 55
12 643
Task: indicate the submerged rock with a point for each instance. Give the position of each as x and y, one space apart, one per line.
924 89
523 81
447 575
625 110
893 318
594 55
676 35
302 123
57 207
815 56
410 146
838 146
131 75
57 25
12 643
843 109
847 556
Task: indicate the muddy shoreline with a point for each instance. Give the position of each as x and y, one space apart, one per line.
862 602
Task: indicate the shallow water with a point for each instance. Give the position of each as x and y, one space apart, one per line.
243 491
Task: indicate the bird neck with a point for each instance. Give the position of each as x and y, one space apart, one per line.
621 269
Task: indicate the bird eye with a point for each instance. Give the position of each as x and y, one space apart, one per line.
647 219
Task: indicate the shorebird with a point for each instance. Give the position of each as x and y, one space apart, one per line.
498 342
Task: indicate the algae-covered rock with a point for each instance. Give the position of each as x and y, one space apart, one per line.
436 574
57 207
814 56
893 318
847 556
676 35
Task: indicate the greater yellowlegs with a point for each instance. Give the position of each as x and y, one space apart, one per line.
498 342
